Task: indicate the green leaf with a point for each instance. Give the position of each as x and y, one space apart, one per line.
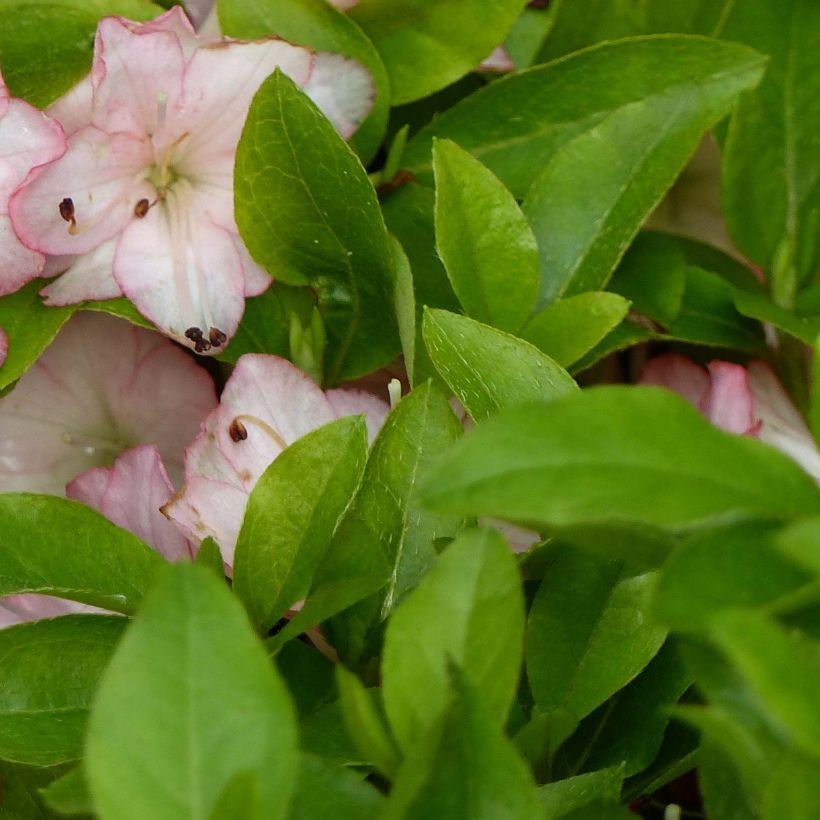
469 611
30 327
488 369
792 790
69 794
365 725
610 455
588 632
760 307
386 533
189 702
50 670
484 240
731 566
464 767
309 215
516 125
58 547
39 68
417 43
319 26
568 329
771 165
327 790
801 543
22 791
564 796
596 190
780 666
292 514
405 307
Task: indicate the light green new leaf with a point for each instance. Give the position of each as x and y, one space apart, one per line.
588 632
189 703
484 241
515 126
292 514
309 215
318 25
69 794
488 369
428 44
50 670
759 306
615 455
468 610
59 547
771 165
568 329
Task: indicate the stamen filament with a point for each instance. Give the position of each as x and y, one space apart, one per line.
264 427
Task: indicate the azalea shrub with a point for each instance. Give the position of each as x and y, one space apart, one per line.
409 409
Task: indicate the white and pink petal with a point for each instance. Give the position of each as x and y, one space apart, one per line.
343 90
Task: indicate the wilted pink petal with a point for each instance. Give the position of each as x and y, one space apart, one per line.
266 405
344 5
498 62
149 166
680 374
131 493
28 140
102 387
4 346
729 403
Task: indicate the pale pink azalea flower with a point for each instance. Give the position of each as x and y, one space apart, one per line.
499 62
141 204
4 346
746 400
266 405
28 139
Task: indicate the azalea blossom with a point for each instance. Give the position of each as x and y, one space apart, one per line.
28 139
102 387
746 400
4 346
266 405
141 204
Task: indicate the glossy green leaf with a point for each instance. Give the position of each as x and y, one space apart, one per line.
758 306
518 124
588 632
309 215
484 241
191 683
54 546
317 25
469 611
771 166
568 329
464 766
40 68
292 514
734 566
386 533
488 369
415 38
610 455
597 189
30 327
564 796
50 670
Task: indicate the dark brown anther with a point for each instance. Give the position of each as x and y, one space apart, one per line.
193 333
217 337
141 208
202 345
67 209
237 431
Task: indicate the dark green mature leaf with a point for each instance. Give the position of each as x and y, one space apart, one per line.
588 632
597 189
772 151
464 767
292 514
560 798
58 547
309 215
610 455
518 124
191 682
30 327
488 369
468 611
50 670
320 26
40 68
386 533
417 43
731 566
484 241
